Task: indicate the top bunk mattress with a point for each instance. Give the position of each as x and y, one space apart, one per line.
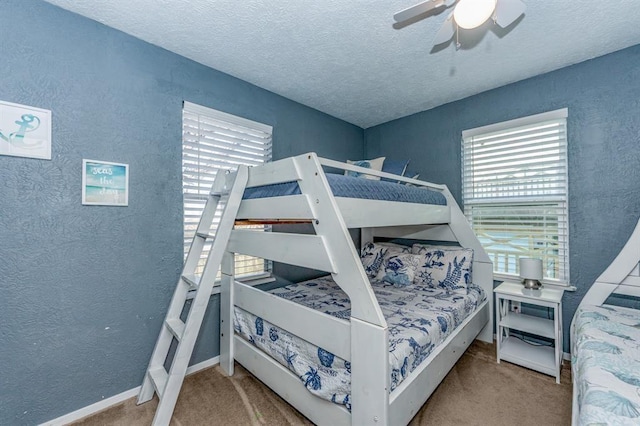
355 187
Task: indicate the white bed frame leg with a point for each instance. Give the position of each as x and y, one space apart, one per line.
226 313
483 276
369 374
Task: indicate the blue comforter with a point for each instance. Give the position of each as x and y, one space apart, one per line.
354 187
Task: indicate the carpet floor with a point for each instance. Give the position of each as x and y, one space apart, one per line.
477 391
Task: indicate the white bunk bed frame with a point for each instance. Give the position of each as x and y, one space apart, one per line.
363 340
621 277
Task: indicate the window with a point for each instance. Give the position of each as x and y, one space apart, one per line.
514 190
214 142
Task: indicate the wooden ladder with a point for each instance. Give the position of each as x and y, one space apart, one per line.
228 188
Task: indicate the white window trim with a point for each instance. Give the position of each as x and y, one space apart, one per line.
524 121
558 114
257 277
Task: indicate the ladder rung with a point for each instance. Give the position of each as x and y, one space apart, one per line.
176 327
159 378
193 280
192 293
205 235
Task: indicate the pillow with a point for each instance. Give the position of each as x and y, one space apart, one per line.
372 255
375 164
398 269
412 175
447 269
394 167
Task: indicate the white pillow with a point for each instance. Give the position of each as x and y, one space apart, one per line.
375 164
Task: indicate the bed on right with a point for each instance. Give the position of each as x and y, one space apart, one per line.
605 346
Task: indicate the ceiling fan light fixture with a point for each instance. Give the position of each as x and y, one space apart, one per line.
470 14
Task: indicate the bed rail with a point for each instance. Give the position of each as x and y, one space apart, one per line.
309 251
323 330
350 167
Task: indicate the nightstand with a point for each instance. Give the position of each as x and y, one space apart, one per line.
542 358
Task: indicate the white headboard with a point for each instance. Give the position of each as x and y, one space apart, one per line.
622 276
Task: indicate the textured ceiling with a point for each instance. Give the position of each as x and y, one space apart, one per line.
344 57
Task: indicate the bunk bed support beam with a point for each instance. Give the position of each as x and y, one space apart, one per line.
227 300
330 226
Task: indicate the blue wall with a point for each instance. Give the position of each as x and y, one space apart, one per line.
83 289
603 97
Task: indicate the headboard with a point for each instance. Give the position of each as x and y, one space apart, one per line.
621 277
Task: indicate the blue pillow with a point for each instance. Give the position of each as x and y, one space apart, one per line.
395 167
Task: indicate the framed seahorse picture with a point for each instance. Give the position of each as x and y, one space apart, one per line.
25 131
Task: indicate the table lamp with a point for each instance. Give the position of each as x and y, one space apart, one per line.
531 272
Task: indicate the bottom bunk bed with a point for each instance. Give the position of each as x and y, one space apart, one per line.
605 345
428 328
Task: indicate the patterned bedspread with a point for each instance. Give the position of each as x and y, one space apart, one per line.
606 365
419 318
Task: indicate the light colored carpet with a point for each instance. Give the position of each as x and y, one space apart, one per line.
477 391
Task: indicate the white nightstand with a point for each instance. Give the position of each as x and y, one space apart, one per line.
545 359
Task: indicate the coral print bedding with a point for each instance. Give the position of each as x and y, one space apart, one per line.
606 359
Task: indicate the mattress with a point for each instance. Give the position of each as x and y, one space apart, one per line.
419 319
606 365
354 187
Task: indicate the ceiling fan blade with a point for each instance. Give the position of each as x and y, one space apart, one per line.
446 31
507 11
418 9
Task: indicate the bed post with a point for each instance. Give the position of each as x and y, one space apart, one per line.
369 374
227 269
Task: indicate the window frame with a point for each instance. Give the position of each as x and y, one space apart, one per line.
562 201
190 198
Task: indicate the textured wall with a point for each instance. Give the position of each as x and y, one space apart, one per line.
83 289
603 97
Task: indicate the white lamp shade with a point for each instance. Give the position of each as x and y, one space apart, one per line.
530 269
470 14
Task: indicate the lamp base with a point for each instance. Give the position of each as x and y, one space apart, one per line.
532 284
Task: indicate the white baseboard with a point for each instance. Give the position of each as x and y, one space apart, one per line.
116 399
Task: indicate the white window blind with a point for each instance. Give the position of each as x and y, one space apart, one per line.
514 190
214 142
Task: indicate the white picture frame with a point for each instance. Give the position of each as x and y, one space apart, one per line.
105 183
25 131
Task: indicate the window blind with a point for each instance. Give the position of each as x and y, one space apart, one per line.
515 191
215 142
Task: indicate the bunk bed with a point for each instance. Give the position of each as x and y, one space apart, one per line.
605 345
297 190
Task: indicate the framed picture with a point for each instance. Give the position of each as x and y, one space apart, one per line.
104 183
25 131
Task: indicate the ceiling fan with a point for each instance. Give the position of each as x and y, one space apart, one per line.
467 14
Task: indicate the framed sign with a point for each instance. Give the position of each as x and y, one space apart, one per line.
104 183
25 131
